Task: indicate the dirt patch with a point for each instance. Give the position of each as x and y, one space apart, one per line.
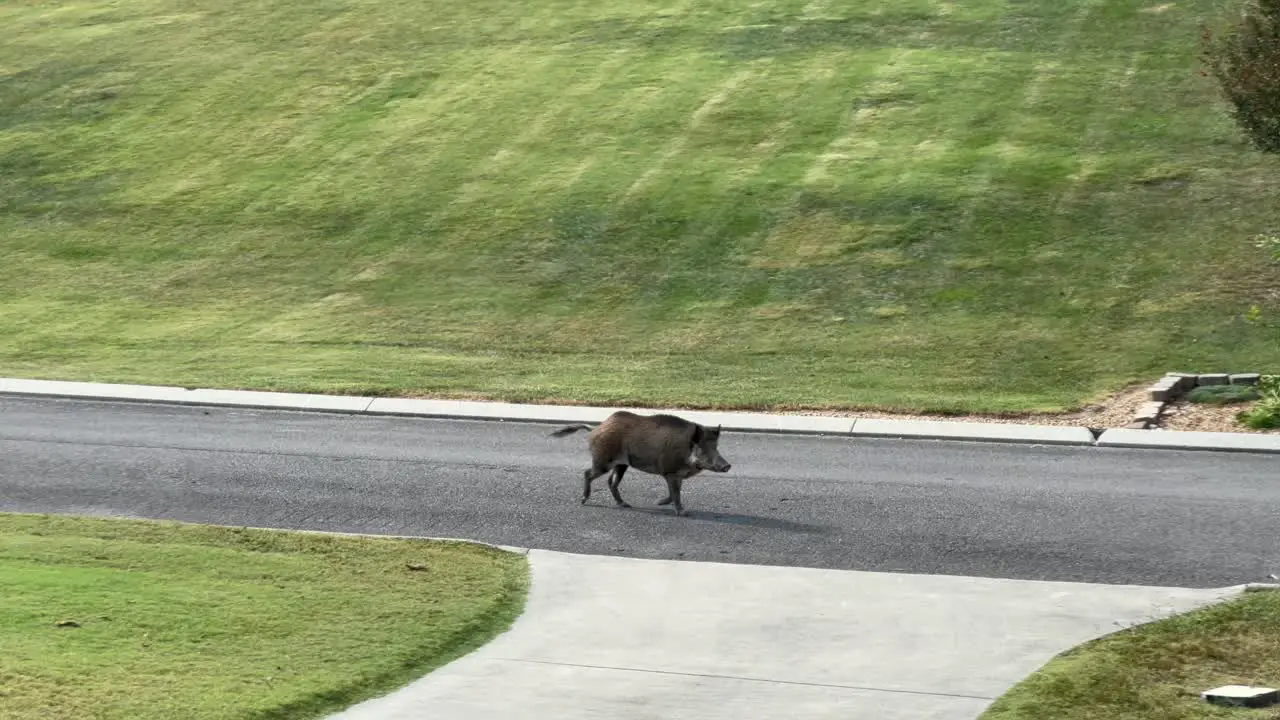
1183 415
1116 411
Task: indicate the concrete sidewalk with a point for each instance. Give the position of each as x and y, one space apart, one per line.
606 637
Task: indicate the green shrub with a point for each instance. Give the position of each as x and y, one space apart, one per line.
1222 394
1245 60
1266 414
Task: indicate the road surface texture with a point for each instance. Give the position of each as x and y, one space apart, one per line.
1158 518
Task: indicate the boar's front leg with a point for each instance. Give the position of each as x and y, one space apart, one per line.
674 483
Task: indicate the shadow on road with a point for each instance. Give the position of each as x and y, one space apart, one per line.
757 521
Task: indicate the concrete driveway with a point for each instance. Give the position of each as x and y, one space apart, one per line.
632 639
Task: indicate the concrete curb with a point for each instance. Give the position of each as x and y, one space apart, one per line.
987 432
734 421
1189 440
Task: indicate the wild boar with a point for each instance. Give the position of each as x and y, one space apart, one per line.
660 444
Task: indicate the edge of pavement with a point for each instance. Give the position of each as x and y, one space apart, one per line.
529 551
734 421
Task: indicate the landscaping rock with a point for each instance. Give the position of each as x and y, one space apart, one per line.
1186 381
1244 379
1138 425
1213 379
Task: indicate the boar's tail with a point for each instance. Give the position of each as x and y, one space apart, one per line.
570 430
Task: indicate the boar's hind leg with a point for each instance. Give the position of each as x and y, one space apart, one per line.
587 477
673 493
614 480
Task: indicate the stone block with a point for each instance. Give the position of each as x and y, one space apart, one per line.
1149 411
1244 379
1166 389
1137 425
1213 379
1242 696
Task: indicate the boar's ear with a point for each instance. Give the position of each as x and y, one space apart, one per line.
697 434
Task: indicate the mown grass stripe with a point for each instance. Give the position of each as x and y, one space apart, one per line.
432 197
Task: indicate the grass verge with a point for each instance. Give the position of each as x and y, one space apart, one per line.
898 204
202 622
1158 670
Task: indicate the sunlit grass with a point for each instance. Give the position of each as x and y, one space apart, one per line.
175 620
918 204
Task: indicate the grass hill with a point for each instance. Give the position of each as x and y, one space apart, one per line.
987 205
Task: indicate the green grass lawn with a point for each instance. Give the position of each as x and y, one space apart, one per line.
908 204
200 622
1157 671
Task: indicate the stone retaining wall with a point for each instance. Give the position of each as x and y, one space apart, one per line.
1174 385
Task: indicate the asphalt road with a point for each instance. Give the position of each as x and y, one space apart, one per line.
1191 519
